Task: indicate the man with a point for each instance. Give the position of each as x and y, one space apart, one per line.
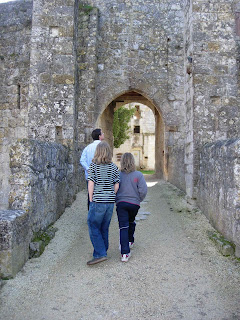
88 152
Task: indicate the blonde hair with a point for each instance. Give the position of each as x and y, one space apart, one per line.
103 154
127 163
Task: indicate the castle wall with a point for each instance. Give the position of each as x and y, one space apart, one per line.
219 185
215 76
52 72
15 33
52 111
86 70
140 47
188 97
41 187
64 62
41 175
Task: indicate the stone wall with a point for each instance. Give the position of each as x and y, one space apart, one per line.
140 47
41 186
188 96
215 76
52 72
41 181
15 33
53 89
64 63
86 69
219 187
175 130
15 236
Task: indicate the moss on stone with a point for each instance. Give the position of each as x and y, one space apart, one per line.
220 237
85 8
226 247
41 236
40 240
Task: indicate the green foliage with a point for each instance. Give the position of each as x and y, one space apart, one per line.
85 8
147 171
121 127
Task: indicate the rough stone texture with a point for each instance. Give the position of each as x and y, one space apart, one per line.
219 186
212 84
41 180
86 69
15 32
41 185
64 63
51 94
14 241
140 49
188 97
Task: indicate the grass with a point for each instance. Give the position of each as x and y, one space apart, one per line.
147 172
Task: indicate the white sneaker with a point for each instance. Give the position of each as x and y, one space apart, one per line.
125 257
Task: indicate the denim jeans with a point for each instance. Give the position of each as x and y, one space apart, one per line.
126 215
99 218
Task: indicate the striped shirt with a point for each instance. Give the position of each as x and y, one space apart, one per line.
104 177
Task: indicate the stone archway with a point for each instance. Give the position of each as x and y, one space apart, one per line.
105 121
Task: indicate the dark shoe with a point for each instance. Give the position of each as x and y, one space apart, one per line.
96 260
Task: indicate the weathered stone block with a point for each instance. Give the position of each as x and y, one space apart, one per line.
237 251
14 241
219 186
63 79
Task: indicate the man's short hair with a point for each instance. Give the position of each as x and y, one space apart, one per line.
96 133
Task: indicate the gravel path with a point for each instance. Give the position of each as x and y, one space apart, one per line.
175 271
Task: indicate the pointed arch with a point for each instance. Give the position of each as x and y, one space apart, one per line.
105 121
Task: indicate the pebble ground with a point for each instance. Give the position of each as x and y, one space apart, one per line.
175 271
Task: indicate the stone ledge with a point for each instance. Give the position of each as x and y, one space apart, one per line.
14 241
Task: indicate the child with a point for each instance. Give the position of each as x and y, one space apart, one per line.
132 191
103 184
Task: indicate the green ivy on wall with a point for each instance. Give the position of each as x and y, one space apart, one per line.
121 127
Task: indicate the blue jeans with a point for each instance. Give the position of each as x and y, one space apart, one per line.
99 218
126 215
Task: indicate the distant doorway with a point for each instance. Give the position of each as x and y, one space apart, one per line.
141 141
156 147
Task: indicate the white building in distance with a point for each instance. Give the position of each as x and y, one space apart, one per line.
141 142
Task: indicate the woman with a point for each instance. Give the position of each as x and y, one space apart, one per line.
132 191
103 184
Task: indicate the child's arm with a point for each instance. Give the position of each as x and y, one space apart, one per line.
90 190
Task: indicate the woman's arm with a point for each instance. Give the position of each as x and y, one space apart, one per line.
90 190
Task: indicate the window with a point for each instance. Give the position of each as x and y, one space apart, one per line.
136 129
119 155
137 113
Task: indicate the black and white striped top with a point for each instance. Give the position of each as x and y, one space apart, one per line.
104 177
